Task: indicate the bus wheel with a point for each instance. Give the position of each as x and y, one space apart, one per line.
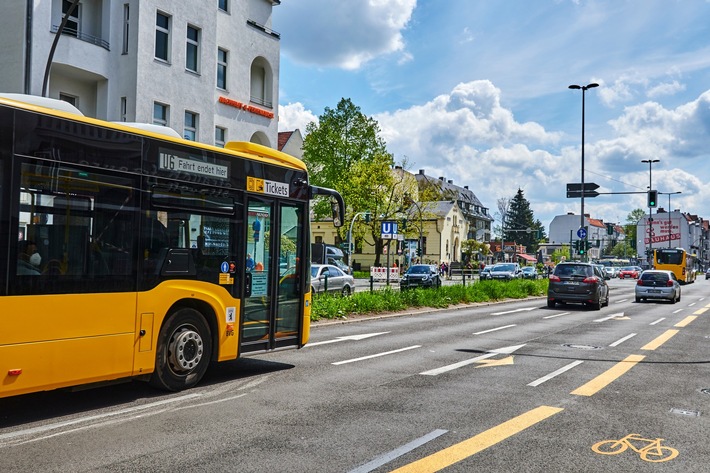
183 352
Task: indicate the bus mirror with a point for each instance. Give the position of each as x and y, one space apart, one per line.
338 205
337 218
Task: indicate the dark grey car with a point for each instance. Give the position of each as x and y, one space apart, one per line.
580 283
420 275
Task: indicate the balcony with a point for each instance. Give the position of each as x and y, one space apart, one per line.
263 28
83 37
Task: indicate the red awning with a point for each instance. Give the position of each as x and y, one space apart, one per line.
526 257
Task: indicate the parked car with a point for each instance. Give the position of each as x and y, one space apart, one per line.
485 273
707 274
335 279
506 271
579 283
629 272
420 275
530 272
657 284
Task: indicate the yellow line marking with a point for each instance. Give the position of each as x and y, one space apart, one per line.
462 450
660 340
604 379
686 321
508 360
700 311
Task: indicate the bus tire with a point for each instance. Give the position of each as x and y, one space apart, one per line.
183 351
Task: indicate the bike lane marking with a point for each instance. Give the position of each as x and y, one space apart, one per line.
603 380
686 321
469 447
660 340
700 311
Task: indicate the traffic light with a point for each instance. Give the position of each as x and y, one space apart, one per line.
652 198
368 216
403 226
581 247
419 251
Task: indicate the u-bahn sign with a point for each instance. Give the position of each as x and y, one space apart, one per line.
574 190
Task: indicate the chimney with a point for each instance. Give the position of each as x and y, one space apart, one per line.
450 181
465 187
421 171
442 178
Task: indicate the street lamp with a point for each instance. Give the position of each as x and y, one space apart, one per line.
411 202
649 251
584 89
350 237
669 214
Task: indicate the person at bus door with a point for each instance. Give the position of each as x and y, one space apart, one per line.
28 259
250 262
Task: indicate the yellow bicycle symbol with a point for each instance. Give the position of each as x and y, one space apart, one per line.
651 450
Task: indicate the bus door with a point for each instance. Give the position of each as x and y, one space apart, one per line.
273 279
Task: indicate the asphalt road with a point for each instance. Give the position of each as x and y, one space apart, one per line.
503 387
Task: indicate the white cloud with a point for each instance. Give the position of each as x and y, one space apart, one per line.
665 88
343 34
295 116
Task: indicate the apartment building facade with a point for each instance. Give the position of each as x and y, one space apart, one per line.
206 68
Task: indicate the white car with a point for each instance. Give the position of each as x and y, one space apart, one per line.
329 278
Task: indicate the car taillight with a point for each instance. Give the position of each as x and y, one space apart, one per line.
590 280
669 283
639 282
554 278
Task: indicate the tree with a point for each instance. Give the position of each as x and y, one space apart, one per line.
342 138
519 219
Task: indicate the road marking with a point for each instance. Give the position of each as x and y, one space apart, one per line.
478 443
658 321
508 360
609 317
686 321
678 310
659 340
620 301
349 337
691 304
556 315
701 311
494 329
376 355
558 372
492 353
622 340
514 311
58 425
606 378
396 453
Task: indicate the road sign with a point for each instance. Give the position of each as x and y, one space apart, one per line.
574 190
389 230
582 233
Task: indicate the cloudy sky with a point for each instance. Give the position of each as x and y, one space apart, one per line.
477 91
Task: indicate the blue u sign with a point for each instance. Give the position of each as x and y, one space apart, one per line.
389 228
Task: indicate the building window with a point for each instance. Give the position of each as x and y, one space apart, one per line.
71 28
193 49
223 5
126 11
124 108
221 69
220 136
160 114
162 37
190 129
261 83
69 99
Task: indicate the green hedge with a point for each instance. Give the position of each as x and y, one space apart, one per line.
327 306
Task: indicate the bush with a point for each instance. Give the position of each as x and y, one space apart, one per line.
326 306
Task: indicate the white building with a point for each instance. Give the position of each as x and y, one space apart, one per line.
208 69
564 231
674 230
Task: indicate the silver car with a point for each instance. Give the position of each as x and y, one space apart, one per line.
506 272
659 285
329 278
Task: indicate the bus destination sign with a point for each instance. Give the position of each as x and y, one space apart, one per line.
172 162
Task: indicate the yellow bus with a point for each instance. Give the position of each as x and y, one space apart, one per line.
677 260
127 253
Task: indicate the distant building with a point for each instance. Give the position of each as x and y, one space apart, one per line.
291 142
207 69
564 231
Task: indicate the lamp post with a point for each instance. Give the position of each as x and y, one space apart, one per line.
669 214
350 238
649 251
411 201
584 89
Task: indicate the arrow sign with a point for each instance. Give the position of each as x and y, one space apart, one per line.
349 337
574 189
508 360
500 351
